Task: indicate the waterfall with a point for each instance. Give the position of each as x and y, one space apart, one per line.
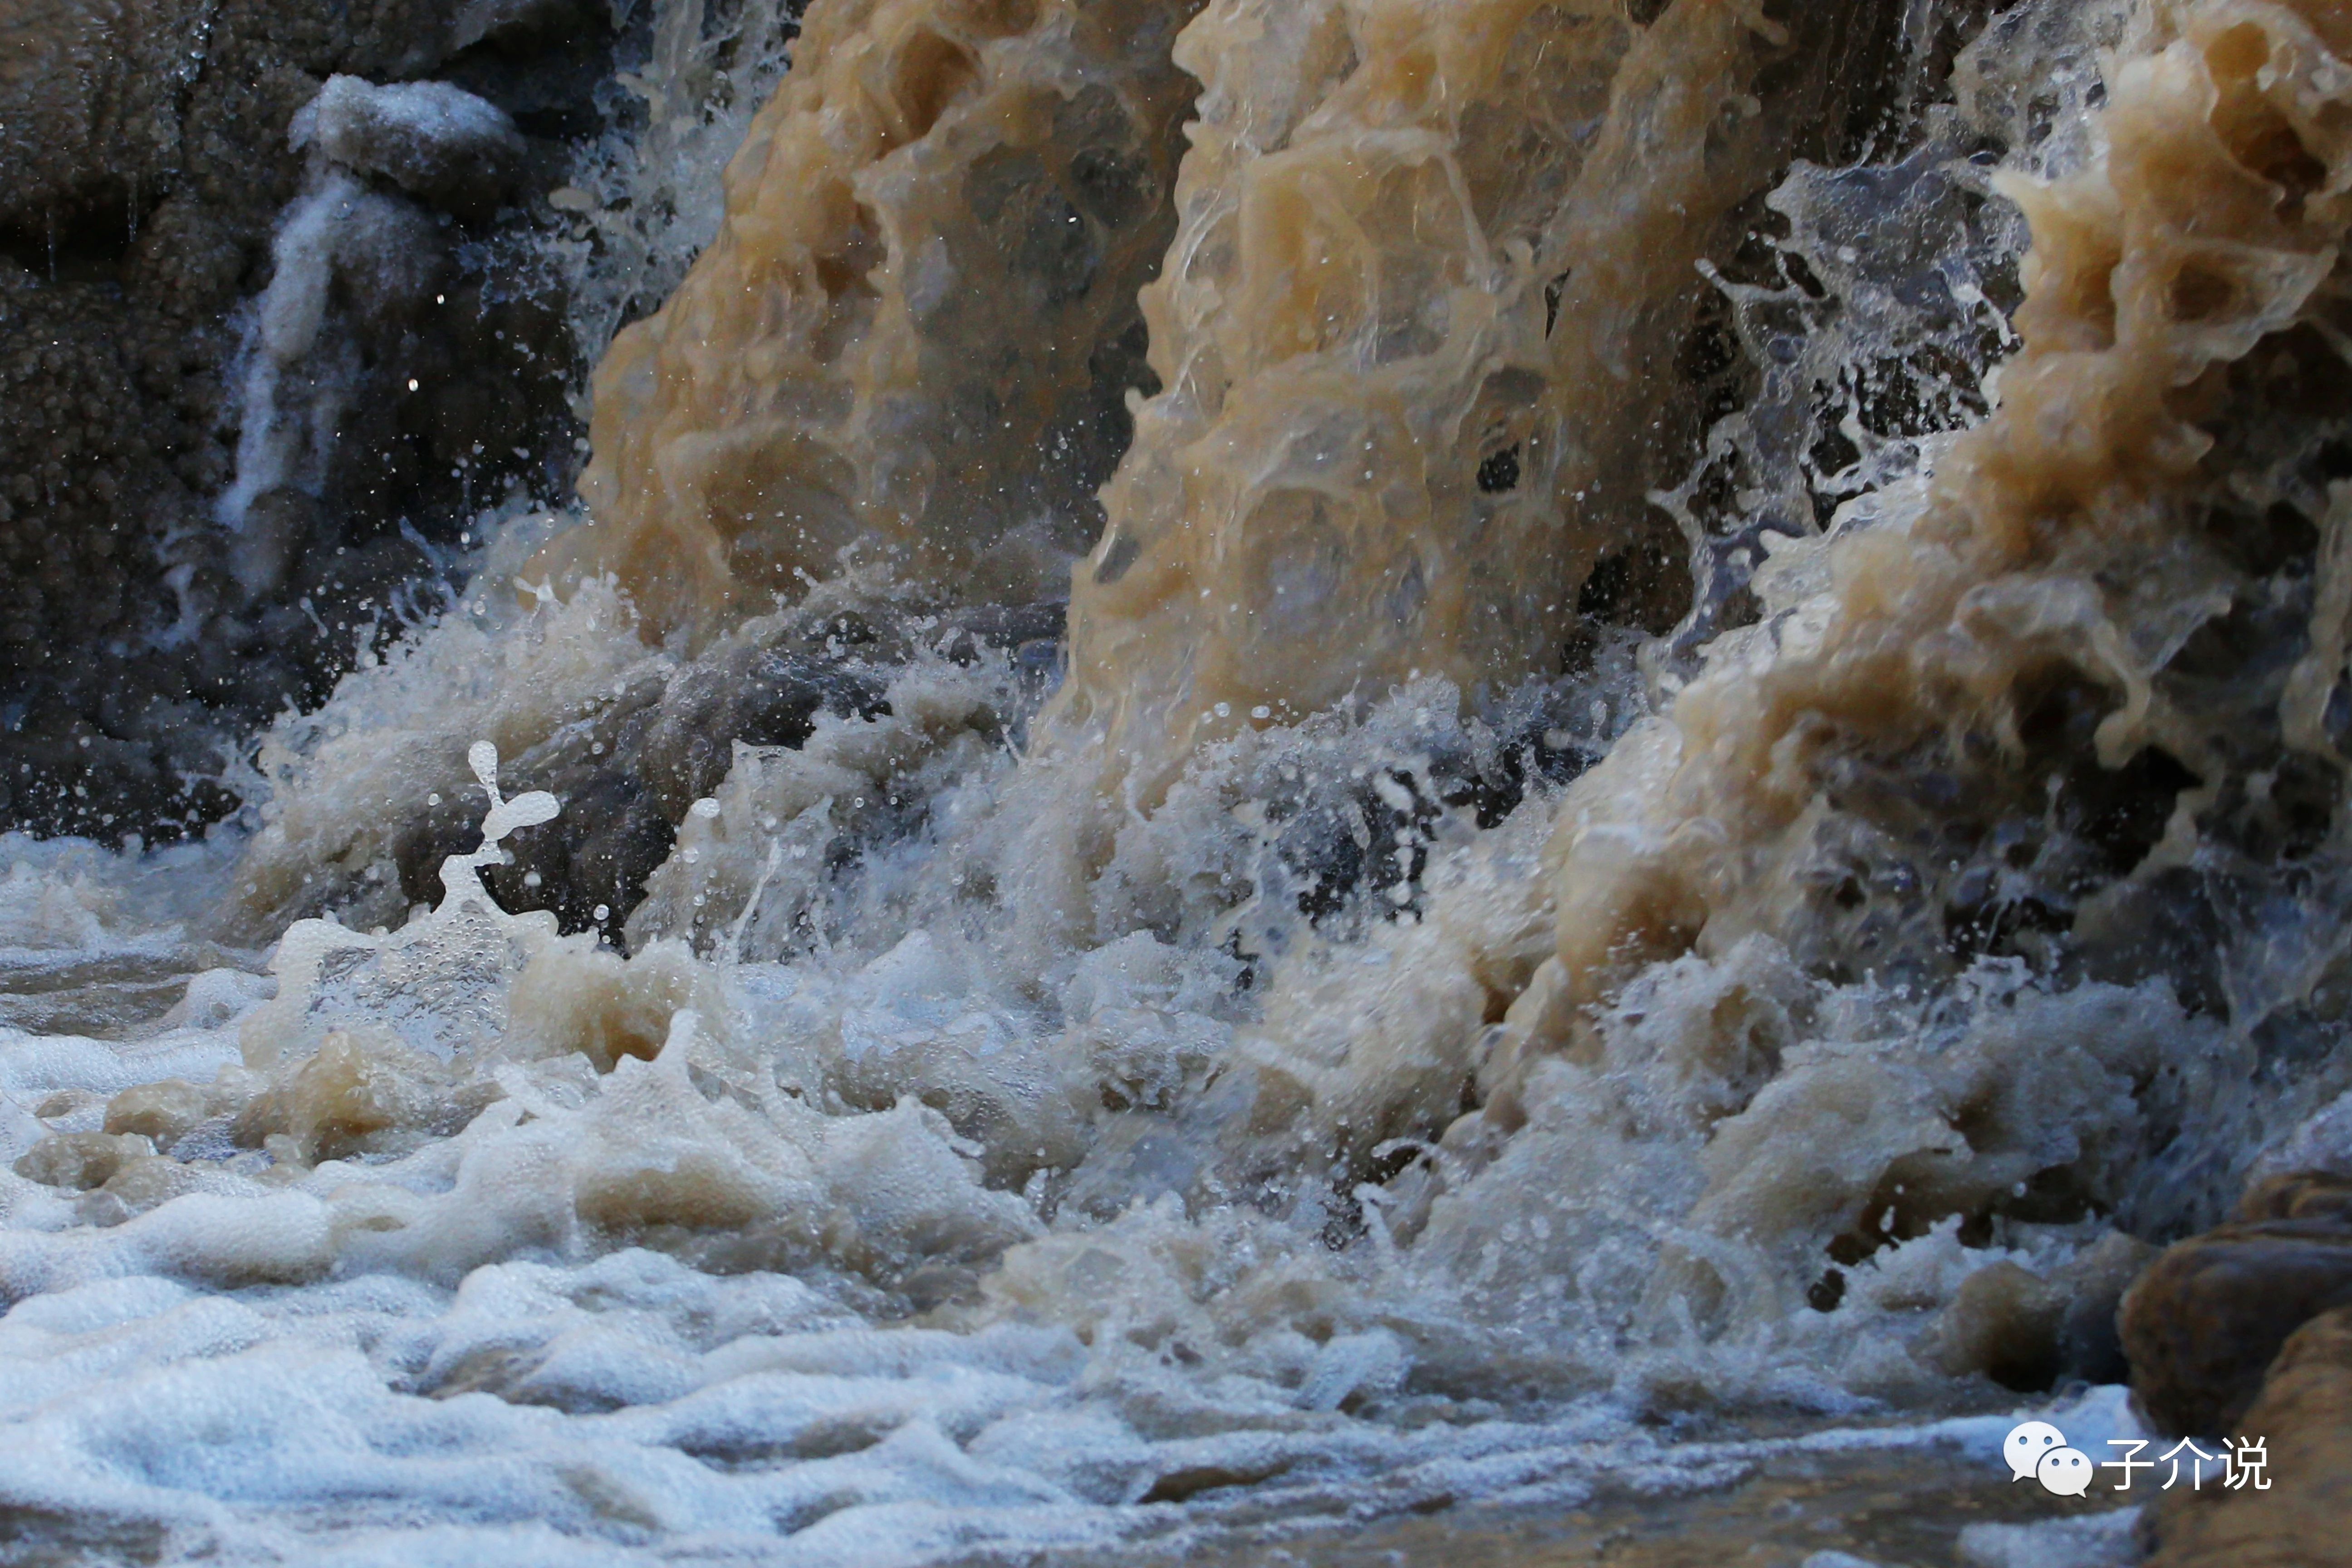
1283 747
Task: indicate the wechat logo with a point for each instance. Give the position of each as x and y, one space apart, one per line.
2037 1449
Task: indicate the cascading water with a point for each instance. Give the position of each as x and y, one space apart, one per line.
1691 789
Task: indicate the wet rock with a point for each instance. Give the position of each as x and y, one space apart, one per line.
2304 1418
89 93
146 164
2202 1326
507 20
628 776
1002 626
766 697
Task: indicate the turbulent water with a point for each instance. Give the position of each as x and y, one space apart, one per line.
1693 784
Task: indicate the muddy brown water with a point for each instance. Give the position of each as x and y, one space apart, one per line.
1886 1508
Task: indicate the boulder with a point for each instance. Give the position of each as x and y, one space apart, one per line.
2203 1324
2303 1420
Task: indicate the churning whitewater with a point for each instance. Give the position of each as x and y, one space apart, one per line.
1291 760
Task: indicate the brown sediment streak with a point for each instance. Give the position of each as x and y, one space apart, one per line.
2058 541
1432 263
912 337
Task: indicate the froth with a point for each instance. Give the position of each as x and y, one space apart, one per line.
1290 1043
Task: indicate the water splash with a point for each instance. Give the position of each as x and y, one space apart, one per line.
1295 1048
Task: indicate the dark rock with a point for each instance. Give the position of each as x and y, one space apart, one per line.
2203 1323
508 20
145 164
765 697
628 776
1002 626
91 100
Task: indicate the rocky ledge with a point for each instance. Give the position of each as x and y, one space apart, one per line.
151 160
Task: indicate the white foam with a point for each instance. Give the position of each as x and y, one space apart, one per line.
417 133
990 1171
